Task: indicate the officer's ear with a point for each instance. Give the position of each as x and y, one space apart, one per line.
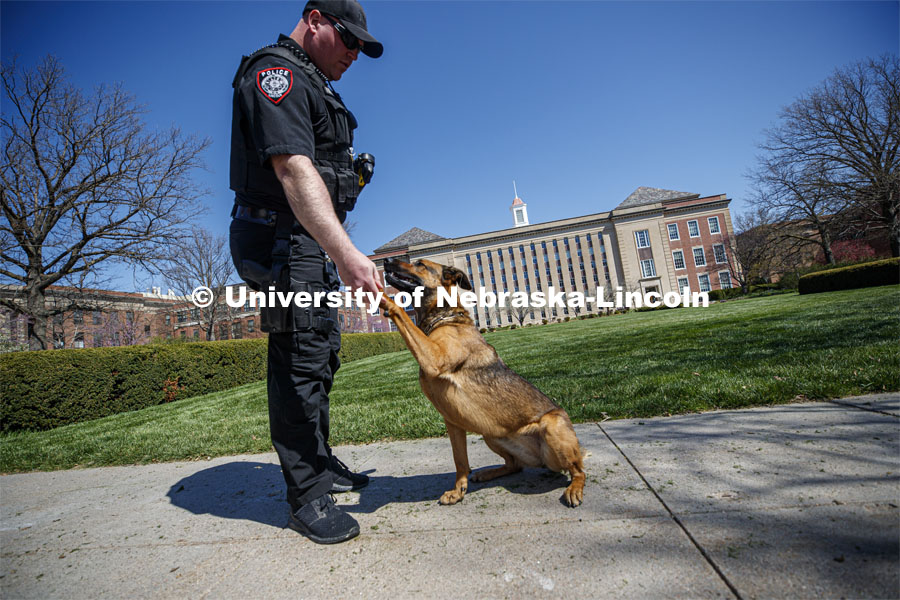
313 18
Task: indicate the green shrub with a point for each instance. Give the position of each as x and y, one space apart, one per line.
362 345
724 294
880 272
51 388
763 287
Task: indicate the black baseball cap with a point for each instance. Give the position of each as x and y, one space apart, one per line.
352 16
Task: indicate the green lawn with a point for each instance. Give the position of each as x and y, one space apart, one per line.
740 353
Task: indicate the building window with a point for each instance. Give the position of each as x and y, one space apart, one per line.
147 329
79 340
714 225
168 319
699 257
673 231
678 259
183 334
704 282
693 229
683 283
129 316
223 331
520 217
724 280
196 334
59 340
97 317
643 238
78 317
98 340
236 332
251 325
647 268
719 252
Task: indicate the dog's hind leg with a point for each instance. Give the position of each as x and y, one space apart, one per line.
561 452
511 466
461 459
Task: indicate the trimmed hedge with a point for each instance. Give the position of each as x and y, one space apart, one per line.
879 272
724 294
362 345
51 388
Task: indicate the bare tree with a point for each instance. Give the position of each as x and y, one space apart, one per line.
751 250
609 297
839 145
495 314
114 330
202 259
801 199
83 186
519 314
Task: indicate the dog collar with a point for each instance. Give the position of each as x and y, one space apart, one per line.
433 323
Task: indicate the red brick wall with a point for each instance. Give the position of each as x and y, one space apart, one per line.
707 241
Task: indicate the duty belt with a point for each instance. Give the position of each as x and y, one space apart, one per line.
260 216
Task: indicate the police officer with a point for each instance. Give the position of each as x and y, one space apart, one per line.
293 174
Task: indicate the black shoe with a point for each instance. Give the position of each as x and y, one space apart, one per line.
324 522
344 479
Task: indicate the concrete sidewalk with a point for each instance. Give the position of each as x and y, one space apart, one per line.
793 501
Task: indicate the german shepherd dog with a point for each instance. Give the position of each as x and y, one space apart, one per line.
475 391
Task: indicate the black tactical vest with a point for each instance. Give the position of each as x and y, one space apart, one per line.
256 184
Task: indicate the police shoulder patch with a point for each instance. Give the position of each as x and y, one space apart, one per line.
275 83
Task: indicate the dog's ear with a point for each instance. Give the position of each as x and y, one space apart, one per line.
453 276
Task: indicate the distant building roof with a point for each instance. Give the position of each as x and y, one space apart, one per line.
648 195
413 236
517 202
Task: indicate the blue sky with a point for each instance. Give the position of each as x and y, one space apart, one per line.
578 102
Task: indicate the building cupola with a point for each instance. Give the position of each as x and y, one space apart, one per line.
519 210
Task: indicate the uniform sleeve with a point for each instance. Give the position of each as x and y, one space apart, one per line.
277 101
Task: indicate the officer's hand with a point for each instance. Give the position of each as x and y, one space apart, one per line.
357 271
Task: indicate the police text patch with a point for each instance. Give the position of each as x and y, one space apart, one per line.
275 83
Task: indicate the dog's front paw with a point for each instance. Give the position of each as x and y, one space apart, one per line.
389 307
452 496
574 495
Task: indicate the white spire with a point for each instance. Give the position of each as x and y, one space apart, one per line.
518 209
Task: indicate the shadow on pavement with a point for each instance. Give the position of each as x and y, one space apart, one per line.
254 491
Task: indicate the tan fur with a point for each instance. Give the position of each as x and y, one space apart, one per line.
473 390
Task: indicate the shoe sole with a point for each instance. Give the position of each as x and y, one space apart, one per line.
337 487
302 530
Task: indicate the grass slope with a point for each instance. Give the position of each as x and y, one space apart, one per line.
741 353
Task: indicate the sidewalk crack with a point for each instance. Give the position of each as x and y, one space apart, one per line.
675 518
874 410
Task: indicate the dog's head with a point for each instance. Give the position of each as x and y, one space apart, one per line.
424 273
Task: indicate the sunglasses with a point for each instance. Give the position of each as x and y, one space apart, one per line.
351 41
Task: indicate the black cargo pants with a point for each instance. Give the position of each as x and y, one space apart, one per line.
301 362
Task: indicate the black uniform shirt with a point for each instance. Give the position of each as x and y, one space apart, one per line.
277 110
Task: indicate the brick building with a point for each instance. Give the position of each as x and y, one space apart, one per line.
655 240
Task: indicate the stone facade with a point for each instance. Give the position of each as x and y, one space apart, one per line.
630 247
